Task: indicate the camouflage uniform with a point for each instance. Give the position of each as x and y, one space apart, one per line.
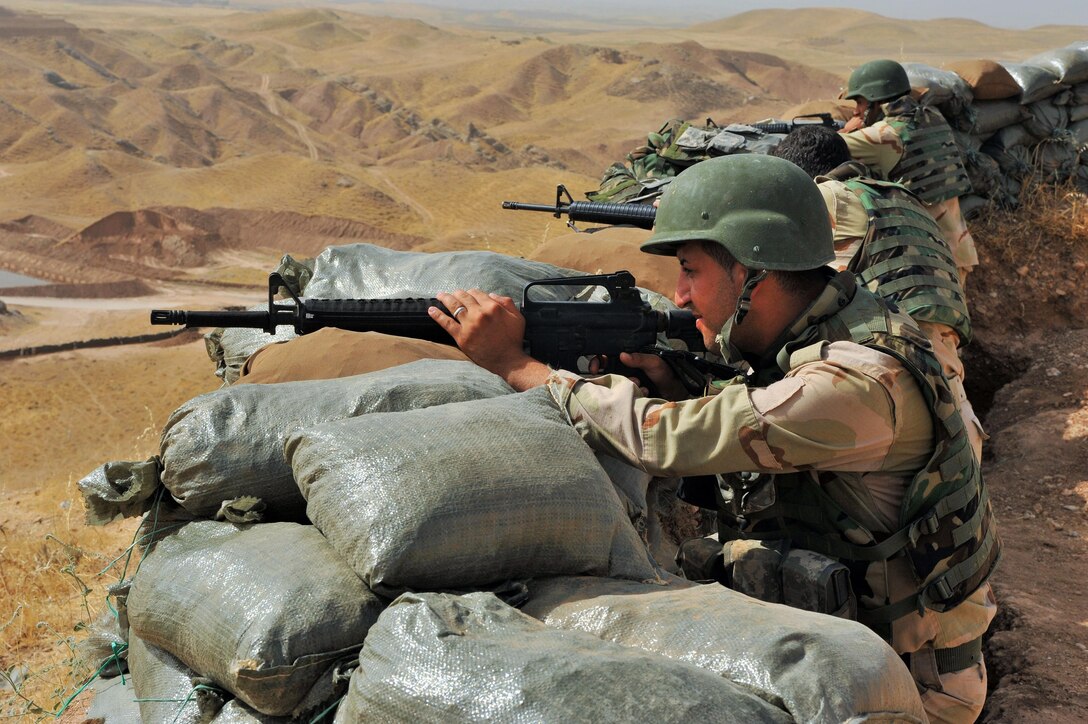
847 427
914 146
863 211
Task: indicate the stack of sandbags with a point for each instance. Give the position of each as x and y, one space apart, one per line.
365 271
1026 122
260 618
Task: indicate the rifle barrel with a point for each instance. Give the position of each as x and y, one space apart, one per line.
519 206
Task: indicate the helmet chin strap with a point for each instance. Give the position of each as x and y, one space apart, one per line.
744 304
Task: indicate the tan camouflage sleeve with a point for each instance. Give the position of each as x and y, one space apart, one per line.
877 146
835 413
849 222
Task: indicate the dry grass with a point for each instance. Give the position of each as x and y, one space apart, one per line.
1051 215
54 572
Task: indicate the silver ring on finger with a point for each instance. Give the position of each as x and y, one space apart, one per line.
460 309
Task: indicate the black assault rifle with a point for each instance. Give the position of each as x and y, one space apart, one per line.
561 334
809 119
593 212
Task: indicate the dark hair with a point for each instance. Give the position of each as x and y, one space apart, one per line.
816 149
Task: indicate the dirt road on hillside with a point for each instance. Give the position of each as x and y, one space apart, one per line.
273 108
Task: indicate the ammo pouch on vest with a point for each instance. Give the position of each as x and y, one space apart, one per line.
772 572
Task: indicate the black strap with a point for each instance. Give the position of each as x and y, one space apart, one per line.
954 659
959 657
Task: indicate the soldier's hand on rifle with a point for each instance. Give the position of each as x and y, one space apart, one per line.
489 329
666 385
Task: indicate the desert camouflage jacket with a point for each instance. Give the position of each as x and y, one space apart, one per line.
847 430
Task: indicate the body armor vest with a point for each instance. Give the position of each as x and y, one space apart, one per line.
904 258
931 166
945 525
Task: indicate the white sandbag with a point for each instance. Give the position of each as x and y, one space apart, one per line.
1035 83
365 271
267 611
463 495
441 658
1069 64
228 444
821 668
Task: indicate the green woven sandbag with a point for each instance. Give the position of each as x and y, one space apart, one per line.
820 668
441 658
466 494
228 444
266 612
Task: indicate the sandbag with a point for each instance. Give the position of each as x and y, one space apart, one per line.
1078 113
547 594
441 658
1057 158
1080 95
1035 83
466 494
1069 64
984 172
228 444
1014 162
167 690
1011 136
235 712
230 348
1079 132
1046 120
266 611
991 116
942 87
114 702
972 206
988 79
611 249
333 353
821 668
365 271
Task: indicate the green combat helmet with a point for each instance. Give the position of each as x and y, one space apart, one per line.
878 81
766 212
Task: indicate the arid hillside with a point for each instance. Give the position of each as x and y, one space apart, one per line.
156 156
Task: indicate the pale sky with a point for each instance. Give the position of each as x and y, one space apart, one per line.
1015 14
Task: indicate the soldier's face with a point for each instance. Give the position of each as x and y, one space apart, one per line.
706 288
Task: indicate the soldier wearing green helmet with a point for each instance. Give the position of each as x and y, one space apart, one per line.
842 440
907 141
